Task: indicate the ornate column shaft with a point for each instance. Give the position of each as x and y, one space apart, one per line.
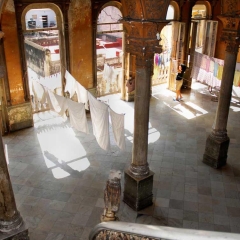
218 141
11 223
142 43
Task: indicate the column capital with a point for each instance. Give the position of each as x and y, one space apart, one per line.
142 37
231 33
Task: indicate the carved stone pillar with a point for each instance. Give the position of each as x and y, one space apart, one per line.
11 223
218 141
138 178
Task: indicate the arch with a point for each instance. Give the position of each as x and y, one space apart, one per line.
176 16
208 8
109 49
112 4
52 6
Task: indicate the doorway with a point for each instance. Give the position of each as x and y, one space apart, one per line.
43 57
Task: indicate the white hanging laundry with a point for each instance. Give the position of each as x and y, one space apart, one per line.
77 114
118 128
39 92
52 82
100 122
82 94
57 103
70 84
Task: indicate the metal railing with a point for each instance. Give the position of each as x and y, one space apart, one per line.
134 231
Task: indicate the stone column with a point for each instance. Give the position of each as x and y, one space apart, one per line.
218 141
11 223
138 183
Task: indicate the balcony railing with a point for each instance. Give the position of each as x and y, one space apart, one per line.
133 231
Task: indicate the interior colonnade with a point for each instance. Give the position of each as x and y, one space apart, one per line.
142 23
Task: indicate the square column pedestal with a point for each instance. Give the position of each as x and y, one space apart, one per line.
18 234
138 190
216 152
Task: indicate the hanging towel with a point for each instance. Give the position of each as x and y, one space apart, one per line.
57 103
82 94
100 122
117 121
39 92
77 114
236 80
220 72
52 82
70 84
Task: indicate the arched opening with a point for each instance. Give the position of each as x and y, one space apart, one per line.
44 52
162 60
109 51
199 16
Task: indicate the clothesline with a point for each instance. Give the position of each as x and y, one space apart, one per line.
209 70
100 112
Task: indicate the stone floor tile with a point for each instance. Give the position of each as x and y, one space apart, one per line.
175 204
175 213
190 224
221 220
190 206
206 196
206 217
162 202
190 216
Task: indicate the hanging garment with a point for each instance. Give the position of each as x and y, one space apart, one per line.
100 122
237 68
236 80
57 103
220 72
117 121
82 94
77 115
52 82
39 92
156 59
216 65
70 84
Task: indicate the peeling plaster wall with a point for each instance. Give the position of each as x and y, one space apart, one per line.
80 34
12 54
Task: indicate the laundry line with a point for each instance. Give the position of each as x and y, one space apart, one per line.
100 112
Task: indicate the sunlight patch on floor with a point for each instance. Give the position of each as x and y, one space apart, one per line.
59 145
188 110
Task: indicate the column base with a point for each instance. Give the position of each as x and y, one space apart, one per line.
138 191
20 116
18 234
216 152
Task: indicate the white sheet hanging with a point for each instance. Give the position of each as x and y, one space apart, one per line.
52 82
118 128
57 103
77 114
100 122
70 84
82 94
39 92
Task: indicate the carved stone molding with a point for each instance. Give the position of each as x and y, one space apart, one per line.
139 170
231 33
110 234
145 9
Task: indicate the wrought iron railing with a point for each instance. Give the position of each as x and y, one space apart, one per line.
132 231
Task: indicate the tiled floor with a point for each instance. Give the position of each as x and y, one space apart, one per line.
59 174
